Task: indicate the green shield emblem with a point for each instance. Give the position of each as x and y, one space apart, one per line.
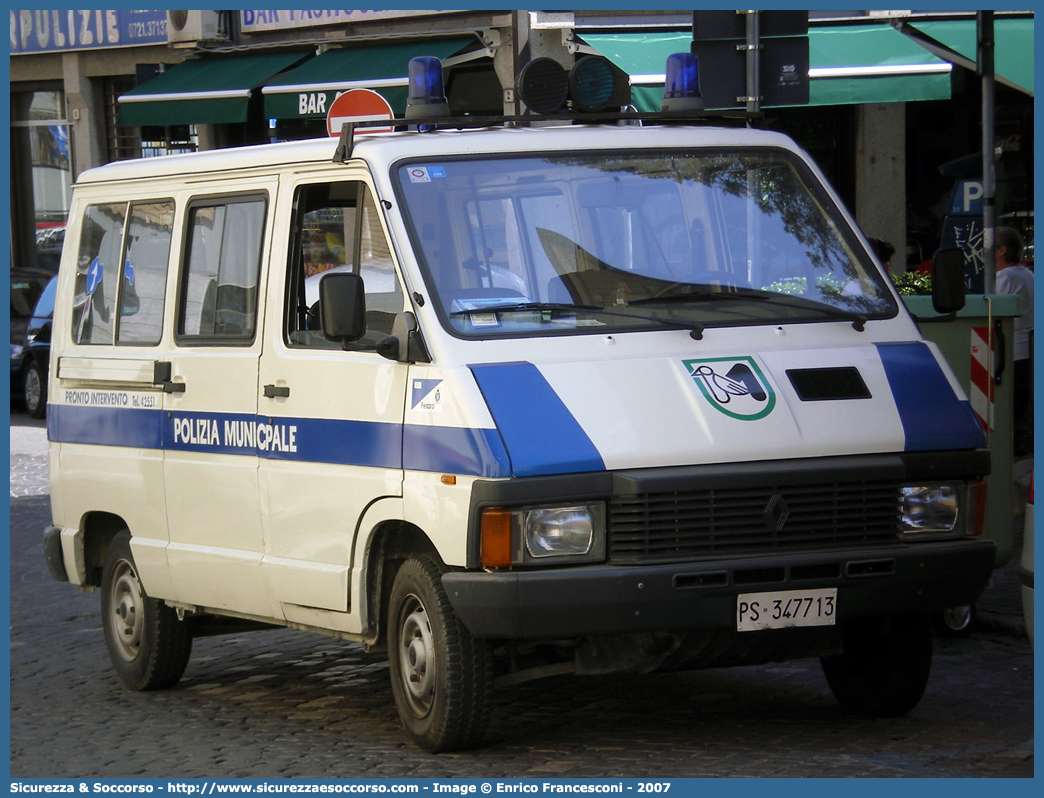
734 386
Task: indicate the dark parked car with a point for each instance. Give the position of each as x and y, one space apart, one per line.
32 305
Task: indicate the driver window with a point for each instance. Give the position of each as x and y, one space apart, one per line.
337 228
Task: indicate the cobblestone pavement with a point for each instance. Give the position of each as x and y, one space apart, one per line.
28 457
283 703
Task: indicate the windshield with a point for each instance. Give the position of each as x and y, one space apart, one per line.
595 242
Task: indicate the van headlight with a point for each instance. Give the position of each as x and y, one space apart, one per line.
931 510
542 535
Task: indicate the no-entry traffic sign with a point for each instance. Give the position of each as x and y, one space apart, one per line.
358 105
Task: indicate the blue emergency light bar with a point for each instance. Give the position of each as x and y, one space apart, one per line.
427 95
427 108
681 89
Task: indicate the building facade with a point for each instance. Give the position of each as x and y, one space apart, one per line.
892 123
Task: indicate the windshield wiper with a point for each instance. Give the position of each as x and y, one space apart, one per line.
857 319
688 296
695 330
516 307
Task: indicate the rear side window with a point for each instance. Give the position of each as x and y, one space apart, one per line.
223 263
97 274
121 273
145 273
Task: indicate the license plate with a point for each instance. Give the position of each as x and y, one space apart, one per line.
786 608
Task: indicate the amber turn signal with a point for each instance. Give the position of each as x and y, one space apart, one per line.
495 531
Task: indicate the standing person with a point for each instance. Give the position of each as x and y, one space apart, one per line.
1014 278
884 250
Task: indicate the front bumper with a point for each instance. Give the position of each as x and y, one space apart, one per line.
574 602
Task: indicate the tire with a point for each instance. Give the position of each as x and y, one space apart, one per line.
148 645
34 390
884 667
442 678
955 621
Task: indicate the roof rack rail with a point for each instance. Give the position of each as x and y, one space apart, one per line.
343 152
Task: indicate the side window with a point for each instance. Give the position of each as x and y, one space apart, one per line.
98 274
218 299
145 273
121 274
337 228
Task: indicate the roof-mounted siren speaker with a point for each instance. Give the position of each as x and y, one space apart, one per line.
543 85
196 26
594 85
681 88
427 93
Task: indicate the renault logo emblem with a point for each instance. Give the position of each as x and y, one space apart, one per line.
776 513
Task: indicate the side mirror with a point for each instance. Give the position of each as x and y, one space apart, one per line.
342 307
948 280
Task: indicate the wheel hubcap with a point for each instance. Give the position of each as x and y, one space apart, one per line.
416 657
126 618
32 388
957 618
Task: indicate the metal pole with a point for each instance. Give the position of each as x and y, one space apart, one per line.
753 61
984 67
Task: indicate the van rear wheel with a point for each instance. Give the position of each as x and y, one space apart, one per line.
442 678
884 667
955 621
148 645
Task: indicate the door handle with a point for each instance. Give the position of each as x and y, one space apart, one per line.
272 391
161 378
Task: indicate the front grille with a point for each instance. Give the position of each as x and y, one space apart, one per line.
676 526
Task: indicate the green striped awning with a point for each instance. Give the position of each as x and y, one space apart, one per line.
1013 53
308 91
847 65
212 90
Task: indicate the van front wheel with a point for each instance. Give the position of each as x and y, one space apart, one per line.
884 667
148 645
442 678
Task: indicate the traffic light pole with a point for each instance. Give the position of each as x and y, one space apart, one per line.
753 47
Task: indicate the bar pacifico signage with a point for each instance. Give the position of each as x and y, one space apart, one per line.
309 93
262 20
309 90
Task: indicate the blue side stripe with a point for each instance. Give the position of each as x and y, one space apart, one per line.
105 426
932 415
540 434
454 450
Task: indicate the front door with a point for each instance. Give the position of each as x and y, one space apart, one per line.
332 437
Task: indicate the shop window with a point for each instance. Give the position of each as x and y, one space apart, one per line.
41 177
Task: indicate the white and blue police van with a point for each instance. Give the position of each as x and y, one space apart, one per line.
506 401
